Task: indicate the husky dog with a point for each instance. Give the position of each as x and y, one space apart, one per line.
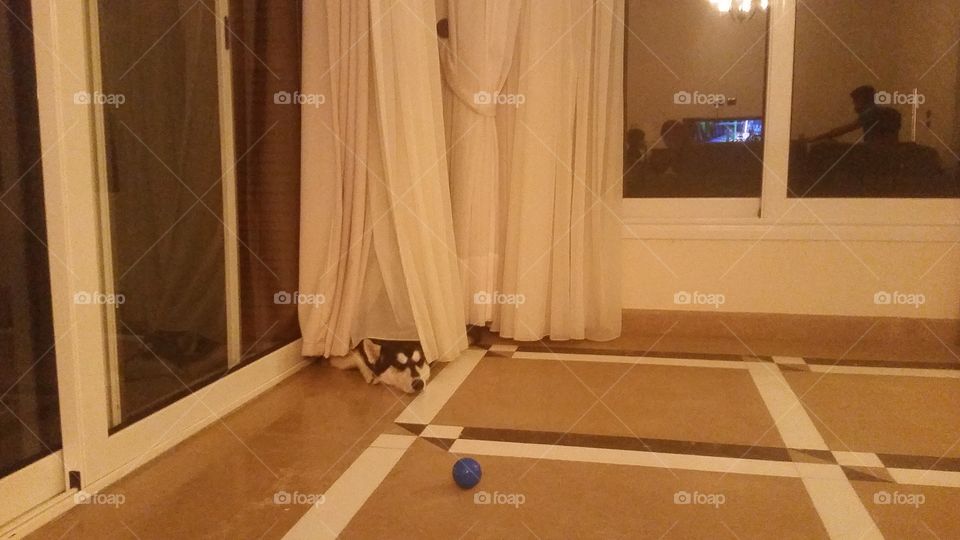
400 364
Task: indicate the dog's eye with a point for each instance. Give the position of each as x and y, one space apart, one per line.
382 364
418 358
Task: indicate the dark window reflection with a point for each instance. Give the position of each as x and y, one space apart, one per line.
159 64
876 111
694 93
266 69
29 402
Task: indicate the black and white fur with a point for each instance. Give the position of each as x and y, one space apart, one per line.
400 364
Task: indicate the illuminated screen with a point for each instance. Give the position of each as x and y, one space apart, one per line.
727 130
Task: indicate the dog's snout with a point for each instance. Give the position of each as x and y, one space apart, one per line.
417 385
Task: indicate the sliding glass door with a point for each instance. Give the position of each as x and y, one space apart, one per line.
164 200
30 437
149 274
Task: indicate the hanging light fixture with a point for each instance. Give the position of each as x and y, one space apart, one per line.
740 10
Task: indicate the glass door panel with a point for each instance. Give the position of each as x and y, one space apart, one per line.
29 411
695 80
164 234
29 401
265 67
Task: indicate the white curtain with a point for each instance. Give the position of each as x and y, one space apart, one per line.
562 160
376 226
476 61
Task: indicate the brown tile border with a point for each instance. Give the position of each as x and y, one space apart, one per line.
793 367
867 474
927 463
416 429
811 456
883 364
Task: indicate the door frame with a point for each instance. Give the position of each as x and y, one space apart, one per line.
93 457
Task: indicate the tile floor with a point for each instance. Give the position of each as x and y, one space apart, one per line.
577 441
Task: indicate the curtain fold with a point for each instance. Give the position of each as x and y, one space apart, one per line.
376 224
410 111
333 242
476 63
562 163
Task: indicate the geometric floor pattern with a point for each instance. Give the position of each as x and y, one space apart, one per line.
574 443
672 444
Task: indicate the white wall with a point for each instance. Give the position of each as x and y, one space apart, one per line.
790 276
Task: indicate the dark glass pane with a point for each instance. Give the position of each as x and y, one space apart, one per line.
29 404
160 86
266 76
694 87
876 112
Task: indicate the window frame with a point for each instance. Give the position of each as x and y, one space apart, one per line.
777 215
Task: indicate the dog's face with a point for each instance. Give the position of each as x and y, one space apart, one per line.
401 364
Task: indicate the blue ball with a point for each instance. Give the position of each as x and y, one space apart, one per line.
466 472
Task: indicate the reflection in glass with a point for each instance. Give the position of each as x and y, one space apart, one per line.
694 88
267 139
876 112
29 402
165 199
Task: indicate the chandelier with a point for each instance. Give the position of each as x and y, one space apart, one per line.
740 10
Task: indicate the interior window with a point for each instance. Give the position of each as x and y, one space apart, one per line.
876 111
695 91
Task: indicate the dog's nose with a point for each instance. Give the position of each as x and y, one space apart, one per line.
417 385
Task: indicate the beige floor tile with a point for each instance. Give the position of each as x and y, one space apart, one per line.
551 499
690 404
912 511
881 414
213 485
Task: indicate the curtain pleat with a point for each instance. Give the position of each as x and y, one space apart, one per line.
407 76
476 64
376 229
333 244
563 158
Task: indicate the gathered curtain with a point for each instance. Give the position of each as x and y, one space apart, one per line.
562 161
378 258
394 247
476 62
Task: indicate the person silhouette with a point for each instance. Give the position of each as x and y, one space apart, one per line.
880 125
